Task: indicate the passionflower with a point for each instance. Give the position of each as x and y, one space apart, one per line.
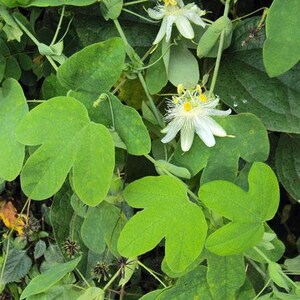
190 112
174 11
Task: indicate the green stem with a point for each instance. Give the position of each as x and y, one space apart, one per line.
152 273
261 291
58 26
219 55
134 2
140 76
137 15
5 259
111 280
82 277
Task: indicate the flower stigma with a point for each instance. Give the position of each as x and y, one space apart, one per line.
190 112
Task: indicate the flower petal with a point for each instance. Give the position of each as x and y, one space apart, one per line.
193 14
186 137
217 112
169 23
161 32
184 27
204 132
215 128
156 14
172 129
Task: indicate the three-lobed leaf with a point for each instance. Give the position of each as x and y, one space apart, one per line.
247 210
167 213
13 107
69 141
94 69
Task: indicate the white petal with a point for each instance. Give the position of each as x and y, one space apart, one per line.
194 16
204 133
215 128
180 3
161 32
169 23
156 14
172 129
184 27
186 137
217 112
211 104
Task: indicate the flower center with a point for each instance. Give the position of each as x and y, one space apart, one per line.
187 106
203 98
170 2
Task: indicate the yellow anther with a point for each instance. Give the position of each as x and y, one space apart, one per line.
180 89
198 89
170 2
202 98
187 106
175 100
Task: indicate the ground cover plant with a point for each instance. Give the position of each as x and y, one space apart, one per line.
149 150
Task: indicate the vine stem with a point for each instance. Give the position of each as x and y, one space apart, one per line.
140 76
134 2
269 261
58 26
192 194
219 55
82 277
152 273
111 280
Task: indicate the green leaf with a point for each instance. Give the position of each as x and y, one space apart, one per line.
39 249
130 266
111 9
156 76
96 68
276 274
247 129
52 88
17 266
183 67
13 107
101 227
281 48
211 36
225 275
69 140
92 293
287 163
168 213
244 85
247 210
125 120
163 167
46 3
45 281
190 286
12 68
11 28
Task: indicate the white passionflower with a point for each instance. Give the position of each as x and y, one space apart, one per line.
190 112
174 11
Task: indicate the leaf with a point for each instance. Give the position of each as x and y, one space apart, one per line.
10 217
69 141
17 266
244 85
39 249
276 275
211 36
247 210
51 88
46 3
92 293
281 48
130 265
287 163
182 59
156 76
111 9
190 286
246 129
13 107
46 280
101 226
168 213
125 120
11 28
94 69
225 275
